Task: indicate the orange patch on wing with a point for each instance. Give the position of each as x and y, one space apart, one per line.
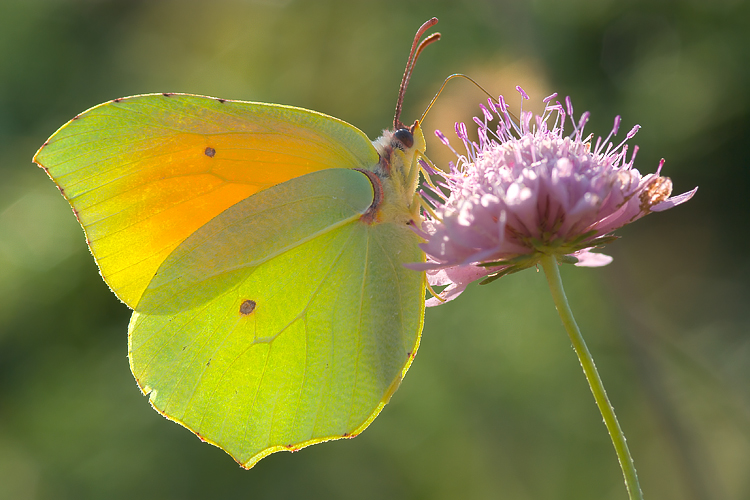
144 173
162 195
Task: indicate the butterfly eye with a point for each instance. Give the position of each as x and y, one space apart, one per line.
405 137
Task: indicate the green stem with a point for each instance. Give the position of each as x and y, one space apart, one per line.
550 266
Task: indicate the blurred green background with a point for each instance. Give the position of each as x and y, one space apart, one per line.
495 405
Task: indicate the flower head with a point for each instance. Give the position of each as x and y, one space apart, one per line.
528 189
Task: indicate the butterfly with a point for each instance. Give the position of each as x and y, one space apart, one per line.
262 250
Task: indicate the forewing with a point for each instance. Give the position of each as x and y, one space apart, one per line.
302 346
143 173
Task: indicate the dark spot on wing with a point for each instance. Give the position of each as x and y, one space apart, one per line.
76 117
167 94
119 99
210 152
247 307
222 100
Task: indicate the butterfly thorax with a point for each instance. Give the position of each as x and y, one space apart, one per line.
398 174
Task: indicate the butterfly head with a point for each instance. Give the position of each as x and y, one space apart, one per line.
396 175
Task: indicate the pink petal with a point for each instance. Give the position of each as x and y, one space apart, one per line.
457 278
447 295
673 201
591 259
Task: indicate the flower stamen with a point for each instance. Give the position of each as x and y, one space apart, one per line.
526 191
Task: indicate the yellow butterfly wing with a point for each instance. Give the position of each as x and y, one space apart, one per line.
144 173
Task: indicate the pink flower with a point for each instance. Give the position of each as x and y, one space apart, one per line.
526 190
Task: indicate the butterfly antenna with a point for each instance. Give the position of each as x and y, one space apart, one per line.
416 48
442 87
